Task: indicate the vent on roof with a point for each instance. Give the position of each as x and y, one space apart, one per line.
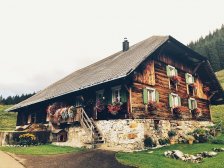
125 44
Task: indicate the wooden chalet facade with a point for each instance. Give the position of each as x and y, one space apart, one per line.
137 75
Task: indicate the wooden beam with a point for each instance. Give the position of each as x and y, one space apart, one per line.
196 68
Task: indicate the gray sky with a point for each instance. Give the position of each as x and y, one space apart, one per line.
45 40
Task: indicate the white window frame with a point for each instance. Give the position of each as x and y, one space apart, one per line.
172 70
190 78
191 100
153 98
175 96
116 88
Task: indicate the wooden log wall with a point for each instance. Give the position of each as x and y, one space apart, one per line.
161 84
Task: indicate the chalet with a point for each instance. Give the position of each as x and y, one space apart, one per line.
149 88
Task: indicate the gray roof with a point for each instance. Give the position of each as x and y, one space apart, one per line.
113 67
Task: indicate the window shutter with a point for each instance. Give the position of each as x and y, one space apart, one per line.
170 100
145 96
123 95
187 78
192 79
179 101
168 71
175 71
189 104
157 96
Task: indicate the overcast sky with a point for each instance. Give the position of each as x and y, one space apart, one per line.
43 41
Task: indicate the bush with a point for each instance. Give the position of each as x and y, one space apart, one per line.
172 133
217 141
148 142
163 141
202 135
27 139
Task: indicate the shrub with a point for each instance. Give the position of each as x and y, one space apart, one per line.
163 141
148 142
217 141
202 135
172 133
27 139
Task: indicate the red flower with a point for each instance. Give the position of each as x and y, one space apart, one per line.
197 110
153 105
194 85
176 78
206 89
181 109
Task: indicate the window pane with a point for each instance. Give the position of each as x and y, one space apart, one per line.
175 101
151 95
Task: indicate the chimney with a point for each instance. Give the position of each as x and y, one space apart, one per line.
125 45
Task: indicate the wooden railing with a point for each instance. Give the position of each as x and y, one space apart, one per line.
87 124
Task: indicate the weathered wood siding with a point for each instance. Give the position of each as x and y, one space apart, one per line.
161 84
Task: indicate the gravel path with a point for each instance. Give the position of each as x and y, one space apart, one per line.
89 159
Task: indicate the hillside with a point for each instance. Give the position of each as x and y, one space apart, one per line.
220 76
212 46
7 120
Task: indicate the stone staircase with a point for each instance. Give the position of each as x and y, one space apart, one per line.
89 125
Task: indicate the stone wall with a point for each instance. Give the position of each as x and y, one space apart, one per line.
77 137
129 134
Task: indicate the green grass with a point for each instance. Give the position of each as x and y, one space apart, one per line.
7 120
41 150
157 159
220 76
217 113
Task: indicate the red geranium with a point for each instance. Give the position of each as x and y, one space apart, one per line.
153 105
176 79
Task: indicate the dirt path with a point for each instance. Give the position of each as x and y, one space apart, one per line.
89 159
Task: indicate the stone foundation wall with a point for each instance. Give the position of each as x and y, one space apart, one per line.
77 137
129 134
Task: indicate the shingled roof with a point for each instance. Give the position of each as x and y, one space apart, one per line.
116 66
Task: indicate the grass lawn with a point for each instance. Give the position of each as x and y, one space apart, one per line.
158 160
7 120
41 150
218 113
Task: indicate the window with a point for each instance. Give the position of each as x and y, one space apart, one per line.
150 94
171 71
189 78
99 94
192 103
32 118
116 93
79 101
174 100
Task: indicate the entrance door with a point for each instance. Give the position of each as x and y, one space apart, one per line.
99 99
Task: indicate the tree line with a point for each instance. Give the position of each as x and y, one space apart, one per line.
211 46
14 99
